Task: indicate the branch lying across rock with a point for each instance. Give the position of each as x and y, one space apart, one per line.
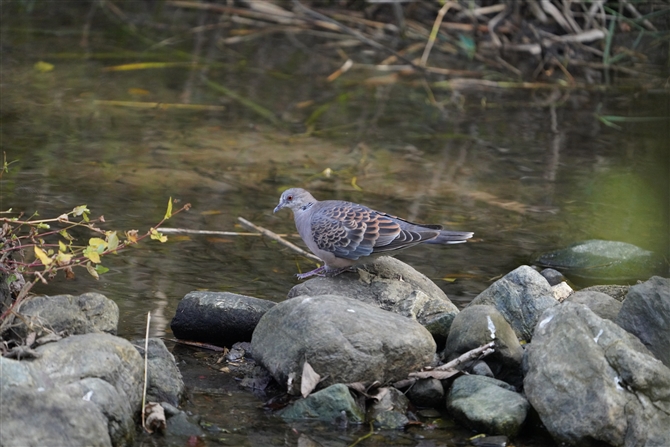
448 369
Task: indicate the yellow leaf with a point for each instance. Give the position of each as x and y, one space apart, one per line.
155 235
63 258
92 254
97 243
79 210
44 259
138 91
112 241
91 271
168 213
61 246
353 183
43 67
131 236
66 235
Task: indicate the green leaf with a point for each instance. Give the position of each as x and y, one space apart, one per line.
43 226
101 269
61 246
168 213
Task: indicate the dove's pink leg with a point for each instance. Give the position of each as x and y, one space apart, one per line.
323 271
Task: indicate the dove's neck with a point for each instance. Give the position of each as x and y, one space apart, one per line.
302 216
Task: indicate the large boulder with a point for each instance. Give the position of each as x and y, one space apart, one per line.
88 312
520 296
343 339
73 390
478 325
600 303
487 405
220 318
645 313
36 417
592 382
164 381
391 285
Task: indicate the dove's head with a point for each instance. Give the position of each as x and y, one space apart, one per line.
295 199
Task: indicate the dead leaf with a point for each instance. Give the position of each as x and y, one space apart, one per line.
310 379
154 417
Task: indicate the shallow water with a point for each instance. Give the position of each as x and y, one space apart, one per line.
528 171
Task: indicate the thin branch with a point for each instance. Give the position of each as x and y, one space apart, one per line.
275 237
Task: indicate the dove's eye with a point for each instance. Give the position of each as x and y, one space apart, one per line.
289 198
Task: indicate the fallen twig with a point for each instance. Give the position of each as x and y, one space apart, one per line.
211 232
197 344
146 367
448 369
276 237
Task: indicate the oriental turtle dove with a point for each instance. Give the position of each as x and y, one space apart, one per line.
341 233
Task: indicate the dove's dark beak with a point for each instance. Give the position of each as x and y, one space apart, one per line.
280 206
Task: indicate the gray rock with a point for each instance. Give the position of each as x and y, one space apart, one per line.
478 325
593 383
615 291
388 409
601 304
220 318
86 313
481 368
487 405
14 373
426 393
165 383
117 410
325 405
182 426
520 296
104 356
645 313
390 285
603 261
553 277
102 368
37 417
343 339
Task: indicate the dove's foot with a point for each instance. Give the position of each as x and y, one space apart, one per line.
324 271
321 271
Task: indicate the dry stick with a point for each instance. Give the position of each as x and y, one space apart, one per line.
275 237
211 232
479 352
492 27
146 364
467 356
340 27
637 15
433 32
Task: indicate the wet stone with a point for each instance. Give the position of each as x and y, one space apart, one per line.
601 261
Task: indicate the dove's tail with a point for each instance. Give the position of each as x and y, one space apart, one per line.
451 237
